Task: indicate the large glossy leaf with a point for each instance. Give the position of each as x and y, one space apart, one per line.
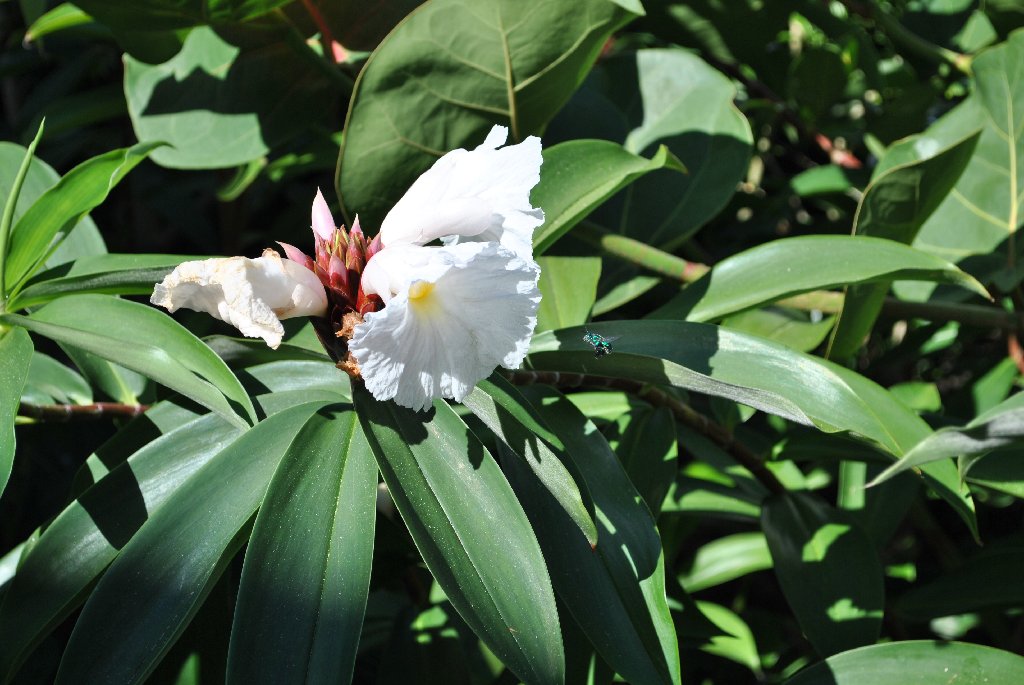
451 70
117 382
649 452
512 420
790 266
758 373
15 357
666 97
144 340
616 589
60 208
568 286
828 569
983 211
578 175
150 15
222 101
116 274
164 572
303 591
897 202
915 662
463 516
79 544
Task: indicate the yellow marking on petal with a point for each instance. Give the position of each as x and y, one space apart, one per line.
420 289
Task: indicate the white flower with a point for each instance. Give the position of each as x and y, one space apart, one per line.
482 194
452 314
253 295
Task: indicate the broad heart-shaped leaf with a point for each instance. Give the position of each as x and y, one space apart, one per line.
915 662
59 209
759 373
568 287
143 339
665 97
616 589
225 99
162 575
151 15
303 590
984 211
501 408
115 274
578 175
988 580
828 569
897 202
471 531
82 541
451 70
15 357
790 266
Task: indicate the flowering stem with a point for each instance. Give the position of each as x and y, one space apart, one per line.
683 413
80 412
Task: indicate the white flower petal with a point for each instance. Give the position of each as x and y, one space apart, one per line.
462 311
253 295
482 194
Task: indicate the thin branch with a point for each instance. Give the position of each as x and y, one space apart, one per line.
683 413
80 412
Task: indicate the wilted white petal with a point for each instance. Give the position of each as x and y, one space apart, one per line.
455 314
253 295
481 194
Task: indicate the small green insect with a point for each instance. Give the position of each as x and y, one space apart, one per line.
601 344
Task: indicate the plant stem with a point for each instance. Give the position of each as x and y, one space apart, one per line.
80 412
683 413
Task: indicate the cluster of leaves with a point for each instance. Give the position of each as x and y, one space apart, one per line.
798 220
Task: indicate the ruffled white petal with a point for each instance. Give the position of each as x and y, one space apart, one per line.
482 195
453 315
253 295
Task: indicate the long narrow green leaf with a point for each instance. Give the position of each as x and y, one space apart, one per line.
828 569
7 220
471 531
303 591
15 358
82 541
164 572
915 662
114 274
143 339
615 590
62 206
755 372
790 266
504 411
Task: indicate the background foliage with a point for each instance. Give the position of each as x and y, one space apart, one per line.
798 220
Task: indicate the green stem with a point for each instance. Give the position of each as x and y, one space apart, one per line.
914 43
8 216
